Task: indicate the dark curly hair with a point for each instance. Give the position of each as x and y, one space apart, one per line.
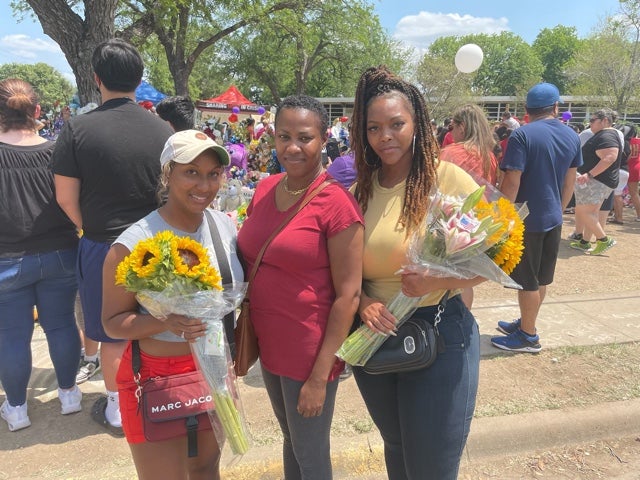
304 102
380 81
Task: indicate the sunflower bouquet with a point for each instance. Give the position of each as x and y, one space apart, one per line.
461 238
173 275
469 237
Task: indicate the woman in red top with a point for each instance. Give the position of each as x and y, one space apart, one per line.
473 145
473 152
633 162
306 290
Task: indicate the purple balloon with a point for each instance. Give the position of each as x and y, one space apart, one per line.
235 110
261 110
567 115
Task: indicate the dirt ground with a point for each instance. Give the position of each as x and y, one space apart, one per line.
73 447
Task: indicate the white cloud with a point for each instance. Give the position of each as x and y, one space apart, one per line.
421 30
28 48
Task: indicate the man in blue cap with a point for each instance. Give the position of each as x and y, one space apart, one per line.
540 165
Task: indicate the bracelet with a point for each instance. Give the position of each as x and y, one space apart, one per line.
589 175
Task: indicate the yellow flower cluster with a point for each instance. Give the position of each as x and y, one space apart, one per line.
166 259
507 241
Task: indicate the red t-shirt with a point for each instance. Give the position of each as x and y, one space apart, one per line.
634 143
292 293
448 139
470 162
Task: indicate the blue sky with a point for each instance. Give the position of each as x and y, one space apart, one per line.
414 22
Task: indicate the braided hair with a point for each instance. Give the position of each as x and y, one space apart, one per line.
378 82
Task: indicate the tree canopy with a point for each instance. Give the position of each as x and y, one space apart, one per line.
320 51
272 48
52 88
555 48
509 68
608 63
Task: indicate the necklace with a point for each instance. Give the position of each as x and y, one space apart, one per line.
295 193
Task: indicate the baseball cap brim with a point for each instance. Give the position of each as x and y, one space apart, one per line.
184 146
188 154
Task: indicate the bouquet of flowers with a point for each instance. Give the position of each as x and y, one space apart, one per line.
172 274
461 238
239 215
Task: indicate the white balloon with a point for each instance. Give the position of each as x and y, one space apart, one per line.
469 58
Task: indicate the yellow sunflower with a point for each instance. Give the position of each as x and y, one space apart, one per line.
145 258
166 259
508 239
191 260
121 271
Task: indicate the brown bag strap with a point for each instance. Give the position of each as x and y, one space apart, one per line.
273 235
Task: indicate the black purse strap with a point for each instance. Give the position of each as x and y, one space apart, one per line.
136 362
225 273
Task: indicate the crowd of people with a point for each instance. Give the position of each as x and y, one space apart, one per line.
79 205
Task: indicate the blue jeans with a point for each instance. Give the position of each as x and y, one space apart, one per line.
424 416
48 281
306 449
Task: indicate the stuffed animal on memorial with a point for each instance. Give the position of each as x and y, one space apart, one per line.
231 198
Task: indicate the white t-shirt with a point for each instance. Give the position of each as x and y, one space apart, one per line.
153 223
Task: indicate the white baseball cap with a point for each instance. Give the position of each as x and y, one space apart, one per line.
184 146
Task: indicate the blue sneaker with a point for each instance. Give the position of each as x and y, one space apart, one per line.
518 341
509 327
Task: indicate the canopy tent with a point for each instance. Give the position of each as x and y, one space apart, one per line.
146 92
226 101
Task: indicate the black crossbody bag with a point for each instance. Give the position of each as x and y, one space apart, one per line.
415 345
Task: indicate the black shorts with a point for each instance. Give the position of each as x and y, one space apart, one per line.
538 262
607 205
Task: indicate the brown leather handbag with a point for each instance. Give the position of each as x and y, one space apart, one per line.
245 336
246 342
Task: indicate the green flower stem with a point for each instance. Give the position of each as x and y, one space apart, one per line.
358 348
231 422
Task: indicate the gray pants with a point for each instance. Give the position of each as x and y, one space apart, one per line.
306 448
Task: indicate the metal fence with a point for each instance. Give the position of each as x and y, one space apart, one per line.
580 107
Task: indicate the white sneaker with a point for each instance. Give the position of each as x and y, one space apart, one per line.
16 417
70 400
112 412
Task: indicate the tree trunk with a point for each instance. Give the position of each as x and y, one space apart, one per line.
78 37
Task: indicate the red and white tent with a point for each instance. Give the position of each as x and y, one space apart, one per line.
226 101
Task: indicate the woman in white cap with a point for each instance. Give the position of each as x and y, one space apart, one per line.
192 171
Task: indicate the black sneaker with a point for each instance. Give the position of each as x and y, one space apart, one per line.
87 370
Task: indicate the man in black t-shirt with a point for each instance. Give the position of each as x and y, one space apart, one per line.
106 166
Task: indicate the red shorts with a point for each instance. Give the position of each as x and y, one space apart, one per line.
151 367
634 169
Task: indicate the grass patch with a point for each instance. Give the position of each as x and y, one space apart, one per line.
558 378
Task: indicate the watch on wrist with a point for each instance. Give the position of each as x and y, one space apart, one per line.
589 175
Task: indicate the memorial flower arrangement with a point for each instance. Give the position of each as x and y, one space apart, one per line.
462 237
172 274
